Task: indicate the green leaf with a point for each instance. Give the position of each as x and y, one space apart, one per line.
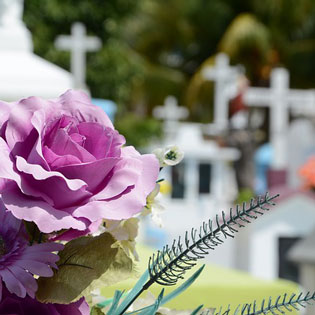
195 312
182 287
96 311
82 263
175 292
120 269
117 297
108 301
134 292
151 310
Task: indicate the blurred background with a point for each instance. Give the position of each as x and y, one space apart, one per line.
230 82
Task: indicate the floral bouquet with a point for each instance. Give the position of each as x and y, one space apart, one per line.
71 196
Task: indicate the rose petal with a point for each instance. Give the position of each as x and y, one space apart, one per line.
19 122
47 218
56 161
40 174
36 154
5 109
92 173
129 202
125 174
79 105
72 234
101 141
6 165
63 145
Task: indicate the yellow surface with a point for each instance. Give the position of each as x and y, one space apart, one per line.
215 287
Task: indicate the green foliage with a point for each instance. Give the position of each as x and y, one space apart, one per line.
247 40
137 130
184 286
150 52
113 308
96 311
244 194
152 310
93 259
134 293
196 311
115 71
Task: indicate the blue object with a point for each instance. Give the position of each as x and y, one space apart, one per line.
263 158
109 107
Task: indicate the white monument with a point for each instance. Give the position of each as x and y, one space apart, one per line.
279 97
78 43
13 33
22 73
170 113
205 162
225 78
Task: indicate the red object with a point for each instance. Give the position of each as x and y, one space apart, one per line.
276 178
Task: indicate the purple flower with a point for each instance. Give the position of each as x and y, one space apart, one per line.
19 261
63 165
11 304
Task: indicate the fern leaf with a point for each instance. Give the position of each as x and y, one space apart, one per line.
280 305
170 264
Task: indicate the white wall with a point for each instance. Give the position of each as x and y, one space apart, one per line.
294 217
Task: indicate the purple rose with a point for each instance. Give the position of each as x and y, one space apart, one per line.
12 304
63 165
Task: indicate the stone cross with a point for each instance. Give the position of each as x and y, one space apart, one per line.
170 112
225 78
78 43
280 98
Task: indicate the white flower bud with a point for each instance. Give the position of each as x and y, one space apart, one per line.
169 156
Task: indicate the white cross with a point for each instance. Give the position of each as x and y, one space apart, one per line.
170 112
280 98
78 43
225 78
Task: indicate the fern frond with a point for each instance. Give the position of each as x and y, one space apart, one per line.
281 304
170 264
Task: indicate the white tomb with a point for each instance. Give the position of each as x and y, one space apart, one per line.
205 177
22 73
293 217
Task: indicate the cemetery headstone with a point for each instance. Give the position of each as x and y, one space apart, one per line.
225 78
78 43
170 113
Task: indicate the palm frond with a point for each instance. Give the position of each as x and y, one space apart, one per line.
170 264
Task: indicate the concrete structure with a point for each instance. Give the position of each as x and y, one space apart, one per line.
22 73
292 218
303 254
203 183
